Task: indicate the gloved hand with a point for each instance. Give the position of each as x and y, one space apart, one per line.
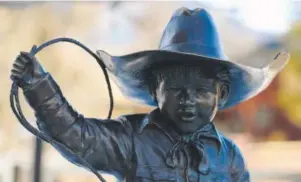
26 70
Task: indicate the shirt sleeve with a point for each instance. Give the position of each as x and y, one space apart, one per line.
105 144
239 171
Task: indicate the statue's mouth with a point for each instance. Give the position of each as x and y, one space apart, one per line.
188 118
187 114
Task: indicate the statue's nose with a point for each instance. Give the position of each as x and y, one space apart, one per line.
188 98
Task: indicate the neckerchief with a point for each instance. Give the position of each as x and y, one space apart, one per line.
195 142
182 143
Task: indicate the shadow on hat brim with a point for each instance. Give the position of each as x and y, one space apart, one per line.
131 73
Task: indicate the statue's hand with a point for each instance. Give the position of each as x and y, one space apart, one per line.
26 70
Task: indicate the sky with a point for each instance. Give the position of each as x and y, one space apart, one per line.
272 17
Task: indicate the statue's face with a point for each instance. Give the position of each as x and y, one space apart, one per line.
190 101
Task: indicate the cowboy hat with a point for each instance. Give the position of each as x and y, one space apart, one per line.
189 37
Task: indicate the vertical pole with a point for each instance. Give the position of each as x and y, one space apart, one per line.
16 174
37 161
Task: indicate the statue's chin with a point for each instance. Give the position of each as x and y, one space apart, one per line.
187 127
189 124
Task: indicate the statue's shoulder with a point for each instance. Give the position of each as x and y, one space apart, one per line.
136 121
229 144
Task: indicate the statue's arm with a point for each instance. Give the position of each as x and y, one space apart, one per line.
239 171
105 144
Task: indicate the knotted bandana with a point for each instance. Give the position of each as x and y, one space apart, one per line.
194 141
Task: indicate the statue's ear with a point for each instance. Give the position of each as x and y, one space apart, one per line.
152 91
223 93
154 96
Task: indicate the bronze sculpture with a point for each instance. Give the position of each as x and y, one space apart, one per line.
188 79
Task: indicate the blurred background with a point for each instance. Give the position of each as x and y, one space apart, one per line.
267 128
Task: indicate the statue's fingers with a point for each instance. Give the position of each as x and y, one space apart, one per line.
13 78
25 53
19 65
28 56
18 68
23 59
16 74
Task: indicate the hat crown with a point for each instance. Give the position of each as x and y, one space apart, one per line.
195 29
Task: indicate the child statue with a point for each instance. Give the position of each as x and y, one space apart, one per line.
188 79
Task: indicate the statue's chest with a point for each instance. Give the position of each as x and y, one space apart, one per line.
153 147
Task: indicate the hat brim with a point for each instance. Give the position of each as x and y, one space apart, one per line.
130 72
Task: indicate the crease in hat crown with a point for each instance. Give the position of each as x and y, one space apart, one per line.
188 12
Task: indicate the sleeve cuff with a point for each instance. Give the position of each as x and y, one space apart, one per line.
41 91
